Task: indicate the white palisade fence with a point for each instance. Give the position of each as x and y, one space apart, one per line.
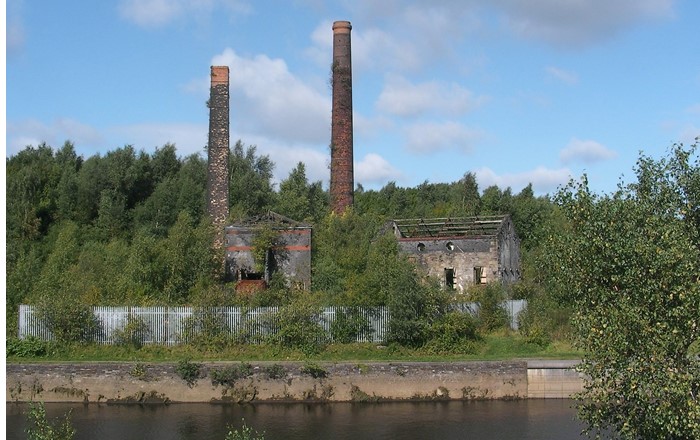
167 325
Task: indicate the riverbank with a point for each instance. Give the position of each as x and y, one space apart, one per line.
227 382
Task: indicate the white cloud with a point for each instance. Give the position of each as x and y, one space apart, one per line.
576 23
374 169
562 75
269 100
188 138
543 179
431 137
372 48
155 13
402 98
33 132
585 151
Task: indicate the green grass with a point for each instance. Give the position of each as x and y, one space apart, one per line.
497 346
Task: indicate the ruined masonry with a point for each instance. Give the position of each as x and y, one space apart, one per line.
218 150
342 179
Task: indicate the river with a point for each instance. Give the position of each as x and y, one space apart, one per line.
503 420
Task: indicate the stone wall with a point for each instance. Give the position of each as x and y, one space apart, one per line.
291 255
359 382
460 254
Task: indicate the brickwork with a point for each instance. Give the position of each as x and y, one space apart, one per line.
218 149
342 180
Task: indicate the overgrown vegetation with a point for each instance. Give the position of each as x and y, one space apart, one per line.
631 261
245 433
189 371
41 428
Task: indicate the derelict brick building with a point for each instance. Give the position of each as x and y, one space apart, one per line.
462 251
290 253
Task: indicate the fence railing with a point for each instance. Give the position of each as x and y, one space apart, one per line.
168 325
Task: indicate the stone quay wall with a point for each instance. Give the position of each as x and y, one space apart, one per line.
133 382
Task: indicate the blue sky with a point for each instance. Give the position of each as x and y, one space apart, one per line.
515 91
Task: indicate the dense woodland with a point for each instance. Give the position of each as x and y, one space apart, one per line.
130 227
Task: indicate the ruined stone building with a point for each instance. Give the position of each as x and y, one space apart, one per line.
280 244
462 251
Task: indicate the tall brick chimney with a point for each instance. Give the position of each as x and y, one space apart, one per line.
342 181
218 150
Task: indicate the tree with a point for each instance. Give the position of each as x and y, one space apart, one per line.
631 261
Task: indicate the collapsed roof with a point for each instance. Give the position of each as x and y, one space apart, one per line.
481 226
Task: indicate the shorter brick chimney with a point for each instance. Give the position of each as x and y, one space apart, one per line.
218 149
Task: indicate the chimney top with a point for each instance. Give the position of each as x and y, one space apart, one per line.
341 27
219 75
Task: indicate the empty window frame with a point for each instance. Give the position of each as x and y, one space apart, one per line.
450 278
478 275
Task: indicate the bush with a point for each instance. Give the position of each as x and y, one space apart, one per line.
275 371
229 375
40 428
296 325
455 332
206 328
246 433
491 315
349 325
68 319
134 333
27 347
189 371
314 370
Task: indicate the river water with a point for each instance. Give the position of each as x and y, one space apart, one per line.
502 420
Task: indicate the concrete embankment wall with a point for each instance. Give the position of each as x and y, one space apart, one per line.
343 382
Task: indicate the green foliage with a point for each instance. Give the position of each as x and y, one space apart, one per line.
297 325
41 428
28 347
631 262
314 370
491 315
189 371
250 185
206 328
266 237
454 332
245 433
68 319
275 371
134 333
229 375
349 325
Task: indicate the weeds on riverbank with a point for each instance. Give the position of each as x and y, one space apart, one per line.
494 346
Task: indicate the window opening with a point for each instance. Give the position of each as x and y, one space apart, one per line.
478 275
450 277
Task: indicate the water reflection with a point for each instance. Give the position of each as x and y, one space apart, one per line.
525 419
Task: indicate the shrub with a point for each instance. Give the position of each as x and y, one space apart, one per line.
207 328
189 371
314 370
296 325
68 319
27 347
275 371
349 325
491 315
454 332
229 375
134 333
40 428
246 433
